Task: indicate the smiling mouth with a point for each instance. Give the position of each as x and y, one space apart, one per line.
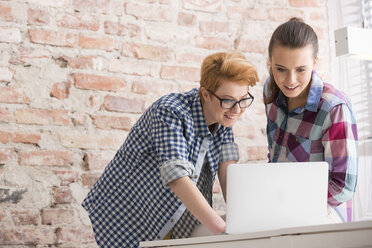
291 88
231 117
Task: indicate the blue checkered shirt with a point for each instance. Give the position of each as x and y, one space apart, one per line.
131 201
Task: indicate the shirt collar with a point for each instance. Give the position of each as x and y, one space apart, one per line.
315 93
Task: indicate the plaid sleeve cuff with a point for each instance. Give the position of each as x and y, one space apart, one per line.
174 169
229 152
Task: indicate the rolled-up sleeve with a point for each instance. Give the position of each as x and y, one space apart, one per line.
174 169
229 149
170 145
229 152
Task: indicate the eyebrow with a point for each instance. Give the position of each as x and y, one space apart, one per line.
232 98
301 66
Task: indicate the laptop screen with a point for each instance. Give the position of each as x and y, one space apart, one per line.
267 196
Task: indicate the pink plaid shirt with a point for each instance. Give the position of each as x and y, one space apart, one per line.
323 130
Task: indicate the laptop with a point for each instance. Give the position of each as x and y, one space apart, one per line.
269 196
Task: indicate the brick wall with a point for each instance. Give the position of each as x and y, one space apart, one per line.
75 75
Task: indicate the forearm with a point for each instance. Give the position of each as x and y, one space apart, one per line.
195 202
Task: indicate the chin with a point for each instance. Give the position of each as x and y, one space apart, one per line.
228 123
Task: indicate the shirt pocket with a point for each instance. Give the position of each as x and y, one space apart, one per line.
298 148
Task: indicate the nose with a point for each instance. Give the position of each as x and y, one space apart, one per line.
236 109
291 77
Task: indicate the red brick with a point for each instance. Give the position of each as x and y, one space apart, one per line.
149 12
85 62
97 161
122 29
96 82
209 6
53 38
186 19
112 7
189 57
103 43
88 179
93 140
6 13
144 51
18 137
6 74
57 216
6 115
46 158
42 117
27 236
151 87
28 55
74 235
12 95
25 217
246 44
66 176
213 43
78 21
38 17
257 153
62 195
60 90
180 73
138 68
123 104
10 35
112 122
216 27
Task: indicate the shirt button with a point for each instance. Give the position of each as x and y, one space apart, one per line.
158 237
172 220
195 176
202 151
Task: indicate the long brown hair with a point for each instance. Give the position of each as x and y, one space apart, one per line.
294 33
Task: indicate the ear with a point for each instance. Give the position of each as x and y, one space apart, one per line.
315 62
204 93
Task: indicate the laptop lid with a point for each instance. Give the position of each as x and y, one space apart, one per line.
267 196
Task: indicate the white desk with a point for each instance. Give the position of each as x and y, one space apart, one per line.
344 235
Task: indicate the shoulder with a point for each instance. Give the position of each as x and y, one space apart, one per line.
332 97
175 103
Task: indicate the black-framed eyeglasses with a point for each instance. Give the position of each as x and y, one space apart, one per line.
230 103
